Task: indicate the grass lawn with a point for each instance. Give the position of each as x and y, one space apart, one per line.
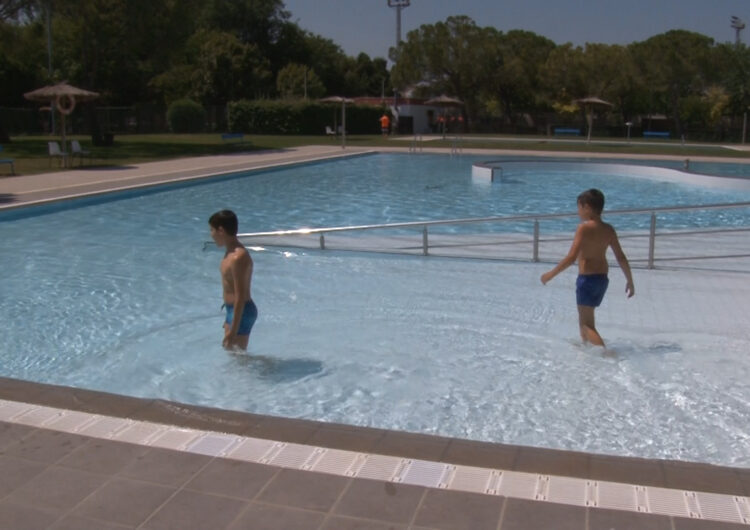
30 152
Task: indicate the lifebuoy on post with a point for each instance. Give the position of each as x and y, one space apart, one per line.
65 103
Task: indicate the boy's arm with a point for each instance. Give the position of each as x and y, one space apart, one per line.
568 260
622 261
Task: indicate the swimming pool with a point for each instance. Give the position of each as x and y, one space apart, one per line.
119 296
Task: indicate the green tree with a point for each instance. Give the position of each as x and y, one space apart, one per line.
448 56
298 81
675 65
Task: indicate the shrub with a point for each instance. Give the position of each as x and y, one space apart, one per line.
299 117
186 116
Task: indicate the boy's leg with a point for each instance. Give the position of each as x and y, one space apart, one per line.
586 323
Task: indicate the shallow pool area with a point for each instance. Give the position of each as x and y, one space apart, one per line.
124 299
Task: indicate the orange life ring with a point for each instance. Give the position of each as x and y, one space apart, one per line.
65 103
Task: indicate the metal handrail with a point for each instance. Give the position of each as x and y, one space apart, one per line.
535 218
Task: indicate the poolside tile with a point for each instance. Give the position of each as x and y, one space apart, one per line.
681 523
18 390
520 514
702 477
600 519
10 433
348 523
451 510
16 472
46 446
386 501
289 430
123 501
743 476
232 478
57 488
302 489
196 417
73 522
19 517
550 462
627 470
260 516
347 438
481 454
413 445
191 509
100 456
164 466
90 401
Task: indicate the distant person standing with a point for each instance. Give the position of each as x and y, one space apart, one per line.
590 243
385 124
236 275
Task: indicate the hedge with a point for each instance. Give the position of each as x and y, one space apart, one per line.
299 117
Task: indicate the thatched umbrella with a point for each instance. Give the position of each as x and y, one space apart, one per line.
343 101
444 102
588 104
63 97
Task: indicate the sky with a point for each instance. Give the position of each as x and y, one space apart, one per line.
369 26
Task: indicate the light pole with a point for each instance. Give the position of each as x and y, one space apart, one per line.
399 5
738 25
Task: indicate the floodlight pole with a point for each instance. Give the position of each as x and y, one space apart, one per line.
738 25
49 64
399 5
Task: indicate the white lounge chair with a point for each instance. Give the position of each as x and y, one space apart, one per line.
56 152
330 131
77 151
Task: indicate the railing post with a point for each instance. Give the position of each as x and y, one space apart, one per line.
536 240
651 241
322 242
425 246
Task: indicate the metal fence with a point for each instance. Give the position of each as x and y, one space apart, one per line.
535 238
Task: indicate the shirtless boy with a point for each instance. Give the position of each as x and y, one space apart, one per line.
589 247
236 274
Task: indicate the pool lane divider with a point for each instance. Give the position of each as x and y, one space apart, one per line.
515 484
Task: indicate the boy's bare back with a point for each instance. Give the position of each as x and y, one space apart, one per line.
595 238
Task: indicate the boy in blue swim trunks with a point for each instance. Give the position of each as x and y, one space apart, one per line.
592 239
236 275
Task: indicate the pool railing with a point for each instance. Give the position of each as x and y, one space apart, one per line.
320 238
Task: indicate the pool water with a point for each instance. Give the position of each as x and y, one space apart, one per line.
119 296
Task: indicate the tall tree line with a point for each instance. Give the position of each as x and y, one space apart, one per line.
680 74
213 51
216 51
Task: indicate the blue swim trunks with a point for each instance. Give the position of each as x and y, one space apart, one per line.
590 289
249 315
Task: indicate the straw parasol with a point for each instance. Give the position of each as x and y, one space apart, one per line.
343 101
63 97
589 103
444 102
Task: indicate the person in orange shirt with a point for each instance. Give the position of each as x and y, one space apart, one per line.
385 124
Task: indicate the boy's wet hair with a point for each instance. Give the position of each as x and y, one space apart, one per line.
225 219
593 198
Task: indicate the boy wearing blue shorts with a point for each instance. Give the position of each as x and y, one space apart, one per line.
592 239
236 275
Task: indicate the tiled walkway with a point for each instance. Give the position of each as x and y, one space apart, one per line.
64 479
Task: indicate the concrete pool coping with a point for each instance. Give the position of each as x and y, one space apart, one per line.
427 507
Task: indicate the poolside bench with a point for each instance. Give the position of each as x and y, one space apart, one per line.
233 136
567 130
656 134
8 161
